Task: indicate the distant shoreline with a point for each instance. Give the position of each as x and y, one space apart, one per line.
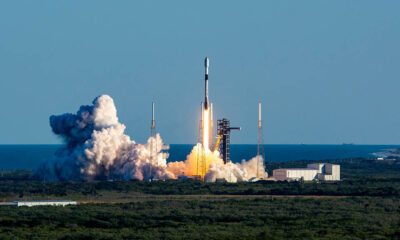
393 152
29 156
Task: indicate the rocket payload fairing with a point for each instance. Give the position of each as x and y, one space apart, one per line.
206 65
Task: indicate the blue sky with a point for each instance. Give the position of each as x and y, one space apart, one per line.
325 71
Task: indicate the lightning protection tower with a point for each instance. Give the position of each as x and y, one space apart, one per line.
200 155
260 145
153 144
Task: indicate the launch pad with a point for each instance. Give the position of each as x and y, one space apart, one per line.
209 159
222 142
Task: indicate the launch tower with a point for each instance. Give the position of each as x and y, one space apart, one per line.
224 132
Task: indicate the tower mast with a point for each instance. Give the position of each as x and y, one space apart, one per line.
260 144
153 143
199 161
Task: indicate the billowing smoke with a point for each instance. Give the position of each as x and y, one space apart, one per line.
236 172
96 148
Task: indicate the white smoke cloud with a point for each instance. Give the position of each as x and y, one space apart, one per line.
96 148
236 172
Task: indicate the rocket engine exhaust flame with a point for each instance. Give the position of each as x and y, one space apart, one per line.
96 148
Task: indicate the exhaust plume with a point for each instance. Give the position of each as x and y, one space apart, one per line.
96 148
235 172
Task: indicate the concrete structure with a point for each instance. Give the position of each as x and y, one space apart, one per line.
314 171
40 203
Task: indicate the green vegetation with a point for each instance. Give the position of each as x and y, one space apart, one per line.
365 205
360 178
15 174
261 218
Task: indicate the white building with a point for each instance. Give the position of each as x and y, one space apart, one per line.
41 203
314 171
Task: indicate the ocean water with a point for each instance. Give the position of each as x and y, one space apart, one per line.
30 156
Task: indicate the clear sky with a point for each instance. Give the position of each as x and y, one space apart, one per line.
325 71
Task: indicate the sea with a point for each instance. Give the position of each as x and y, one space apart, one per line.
14 157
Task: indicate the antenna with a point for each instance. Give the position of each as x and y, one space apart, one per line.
260 144
153 144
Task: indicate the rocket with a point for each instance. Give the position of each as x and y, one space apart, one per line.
206 65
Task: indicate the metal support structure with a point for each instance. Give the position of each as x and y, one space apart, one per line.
199 154
224 130
260 144
201 124
153 144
